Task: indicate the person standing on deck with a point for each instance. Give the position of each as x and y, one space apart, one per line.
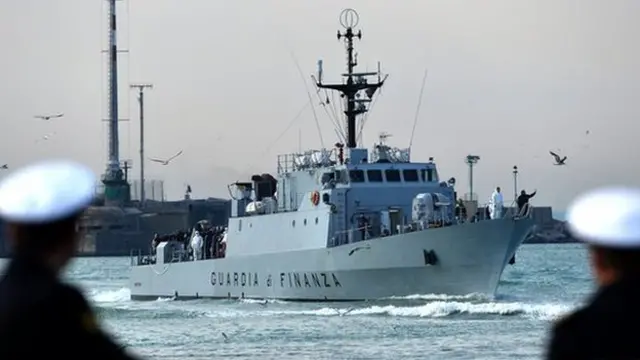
496 204
523 200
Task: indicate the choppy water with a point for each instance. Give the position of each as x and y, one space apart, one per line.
546 282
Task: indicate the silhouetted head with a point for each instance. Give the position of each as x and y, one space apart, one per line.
498 189
41 205
523 192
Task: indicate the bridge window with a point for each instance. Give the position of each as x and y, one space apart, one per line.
410 175
392 175
356 176
427 175
341 177
374 175
327 177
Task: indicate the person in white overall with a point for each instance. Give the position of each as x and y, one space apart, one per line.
496 205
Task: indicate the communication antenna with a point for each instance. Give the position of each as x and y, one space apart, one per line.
355 82
471 161
140 88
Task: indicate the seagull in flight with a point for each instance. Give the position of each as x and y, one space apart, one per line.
559 161
4 167
166 162
226 338
48 136
45 137
49 117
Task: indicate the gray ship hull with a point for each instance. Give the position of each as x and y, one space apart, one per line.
470 259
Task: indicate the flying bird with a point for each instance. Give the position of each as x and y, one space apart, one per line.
4 167
49 117
45 137
166 162
226 338
559 161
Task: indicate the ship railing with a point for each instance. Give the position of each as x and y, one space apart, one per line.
510 211
310 159
370 232
136 257
139 257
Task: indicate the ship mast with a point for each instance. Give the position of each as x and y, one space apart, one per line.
116 187
356 82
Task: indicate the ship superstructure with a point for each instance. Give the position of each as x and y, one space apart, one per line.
345 223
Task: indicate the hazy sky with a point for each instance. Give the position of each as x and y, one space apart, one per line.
508 80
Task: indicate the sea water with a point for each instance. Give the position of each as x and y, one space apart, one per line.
546 282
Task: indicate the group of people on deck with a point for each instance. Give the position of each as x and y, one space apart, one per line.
495 209
200 243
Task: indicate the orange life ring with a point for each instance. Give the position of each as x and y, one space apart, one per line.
315 198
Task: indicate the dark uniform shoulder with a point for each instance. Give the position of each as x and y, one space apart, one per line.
83 322
566 337
64 324
77 308
570 321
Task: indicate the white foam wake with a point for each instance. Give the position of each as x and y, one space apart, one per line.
116 296
111 296
434 306
438 309
262 301
433 309
443 297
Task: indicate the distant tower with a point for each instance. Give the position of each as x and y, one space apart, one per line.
116 187
471 160
356 82
140 88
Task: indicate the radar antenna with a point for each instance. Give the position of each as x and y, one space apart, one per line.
383 136
356 82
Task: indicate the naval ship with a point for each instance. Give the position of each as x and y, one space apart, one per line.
341 224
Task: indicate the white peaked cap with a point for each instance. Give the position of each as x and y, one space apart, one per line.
46 192
608 217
